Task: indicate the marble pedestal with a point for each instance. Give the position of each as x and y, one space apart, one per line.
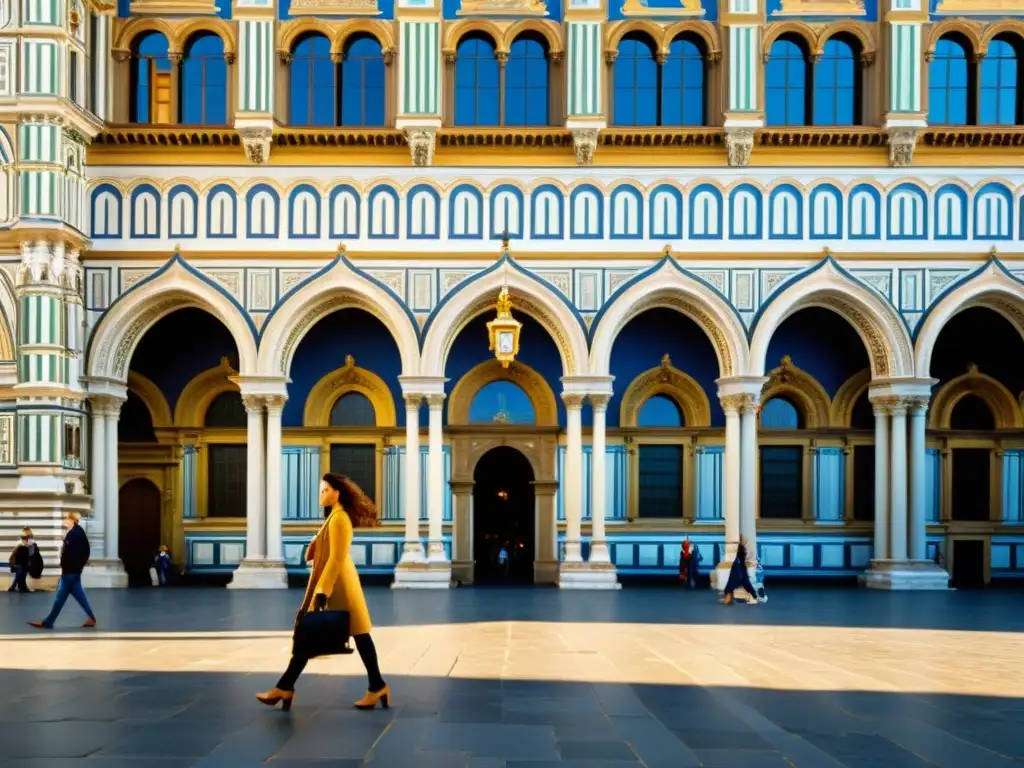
904 575
98 574
260 574
427 574
587 576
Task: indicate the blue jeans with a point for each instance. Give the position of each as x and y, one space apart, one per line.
19 583
70 584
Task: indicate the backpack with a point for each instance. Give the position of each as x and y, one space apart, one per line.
35 563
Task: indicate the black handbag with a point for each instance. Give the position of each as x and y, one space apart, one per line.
320 632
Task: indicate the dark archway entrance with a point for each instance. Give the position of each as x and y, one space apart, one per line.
504 517
138 513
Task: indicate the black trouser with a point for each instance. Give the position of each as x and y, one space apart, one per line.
367 652
19 583
738 577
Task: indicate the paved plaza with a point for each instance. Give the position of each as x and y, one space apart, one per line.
524 678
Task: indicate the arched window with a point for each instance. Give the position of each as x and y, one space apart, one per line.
136 422
526 82
204 78
636 82
150 100
501 402
353 409
226 410
786 82
312 82
779 413
836 84
660 411
362 83
477 81
999 100
972 413
682 83
949 83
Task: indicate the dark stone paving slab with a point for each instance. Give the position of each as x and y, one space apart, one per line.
127 719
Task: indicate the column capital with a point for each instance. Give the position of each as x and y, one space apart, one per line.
253 403
900 388
412 401
599 401
421 386
739 403
435 401
275 403
261 386
573 400
106 405
741 385
918 405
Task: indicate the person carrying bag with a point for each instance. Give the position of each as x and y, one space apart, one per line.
336 598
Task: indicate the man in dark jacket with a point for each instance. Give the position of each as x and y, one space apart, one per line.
73 557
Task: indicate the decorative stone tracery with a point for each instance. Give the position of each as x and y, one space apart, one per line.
349 378
673 383
545 407
1006 409
795 384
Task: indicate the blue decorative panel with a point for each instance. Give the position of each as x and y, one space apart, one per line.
785 213
933 484
586 217
710 477
1013 486
1000 557
745 215
950 213
800 555
615 485
832 556
772 555
826 213
304 212
106 212
546 213
183 212
507 208
382 204
993 213
423 213
666 212
300 482
706 212
466 213
188 481
221 212
908 213
344 212
394 482
627 218
860 556
829 468
261 203
144 212
865 213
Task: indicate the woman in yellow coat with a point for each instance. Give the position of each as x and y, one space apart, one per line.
334 576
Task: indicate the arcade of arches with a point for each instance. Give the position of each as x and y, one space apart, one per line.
831 464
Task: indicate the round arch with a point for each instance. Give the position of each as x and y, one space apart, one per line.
971 30
337 286
453 35
1006 411
126 36
542 397
8 311
795 384
154 400
195 398
172 287
547 29
375 28
841 412
293 30
341 381
675 384
991 287
530 295
619 30
792 27
876 321
671 287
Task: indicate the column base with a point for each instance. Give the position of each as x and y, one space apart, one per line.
412 554
588 576
904 575
599 553
545 572
103 574
436 553
423 575
260 574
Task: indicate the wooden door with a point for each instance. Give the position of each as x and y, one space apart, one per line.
138 516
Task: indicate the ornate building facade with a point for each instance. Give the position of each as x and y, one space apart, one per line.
766 257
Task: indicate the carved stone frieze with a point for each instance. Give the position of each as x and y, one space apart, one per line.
421 145
901 146
256 140
739 142
584 142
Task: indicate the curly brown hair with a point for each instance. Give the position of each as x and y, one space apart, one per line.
359 507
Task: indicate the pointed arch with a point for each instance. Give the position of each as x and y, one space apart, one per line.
828 285
176 285
797 385
669 285
1006 410
154 400
198 394
339 382
536 387
530 294
991 286
667 380
339 285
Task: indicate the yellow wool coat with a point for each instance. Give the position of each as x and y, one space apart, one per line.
334 574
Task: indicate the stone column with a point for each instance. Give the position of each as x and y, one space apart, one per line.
731 482
748 474
545 564
898 483
412 549
572 481
112 413
881 546
462 541
918 456
598 544
435 481
275 554
98 478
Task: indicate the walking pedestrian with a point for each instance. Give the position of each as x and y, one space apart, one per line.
74 554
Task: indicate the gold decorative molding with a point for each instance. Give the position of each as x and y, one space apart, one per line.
341 381
537 389
673 383
177 31
195 399
802 389
334 8
150 394
1006 409
841 409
